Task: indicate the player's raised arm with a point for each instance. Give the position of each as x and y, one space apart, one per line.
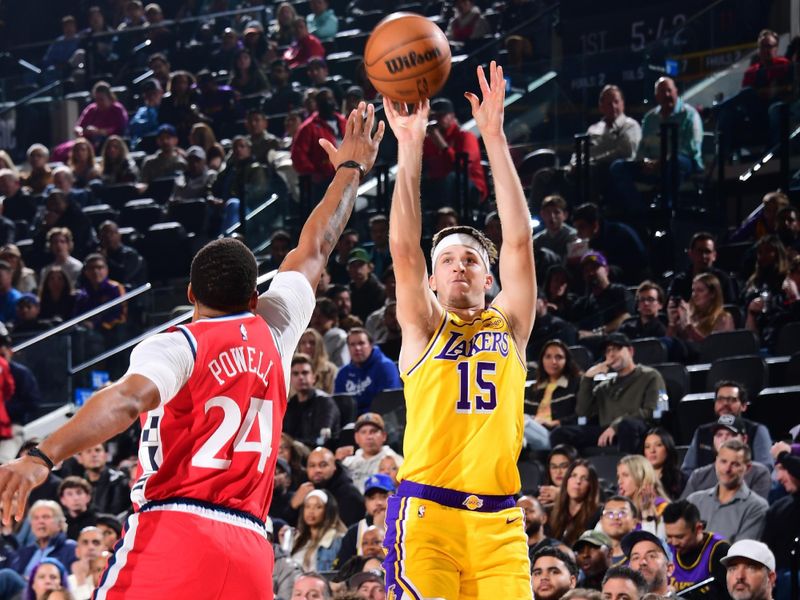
517 269
418 311
328 219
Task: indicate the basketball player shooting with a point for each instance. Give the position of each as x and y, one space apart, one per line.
452 529
211 395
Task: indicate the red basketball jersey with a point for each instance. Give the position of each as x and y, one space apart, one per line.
217 439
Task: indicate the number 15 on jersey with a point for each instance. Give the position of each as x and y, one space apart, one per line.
476 375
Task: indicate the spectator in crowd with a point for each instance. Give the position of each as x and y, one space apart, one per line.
378 246
625 173
243 183
535 521
730 508
81 161
246 77
179 105
222 58
605 306
622 404
319 77
763 293
703 315
75 496
202 135
557 379
97 290
582 593
554 572
6 162
90 546
312 416
285 570
111 529
367 293
578 503
145 120
116 166
312 345
319 532
757 477
198 179
548 326
262 141
702 254
763 220
660 451
337 264
750 571
9 295
376 322
368 585
342 297
28 320
368 373
325 319
370 437
468 23
61 211
95 43
697 552
23 278
47 526
40 174
60 243
46 578
305 46
623 583
556 235
312 586
637 480
284 97
283 491
324 472
730 398
652 558
377 489
558 461
593 556
789 230
281 31
444 142
620 516
560 300
167 161
125 264
647 321
110 490
218 103
322 22
23 404
17 204
783 516
388 466
56 295
103 117
60 51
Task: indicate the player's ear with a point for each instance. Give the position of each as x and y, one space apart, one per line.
253 303
432 282
489 281
190 294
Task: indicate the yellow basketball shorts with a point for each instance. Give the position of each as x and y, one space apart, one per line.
438 551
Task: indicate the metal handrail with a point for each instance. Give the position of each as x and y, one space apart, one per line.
29 97
260 208
157 329
83 317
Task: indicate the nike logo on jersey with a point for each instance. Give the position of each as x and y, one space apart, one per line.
514 520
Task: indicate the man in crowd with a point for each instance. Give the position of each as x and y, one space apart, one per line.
605 305
370 436
9 295
702 253
319 76
312 416
553 572
623 583
166 162
311 586
535 520
366 291
98 290
698 553
647 323
325 320
75 496
337 265
377 489
556 235
322 21
652 558
110 490
341 295
593 555
90 546
47 526
750 571
757 478
125 264
17 203
144 121
620 516
378 246
375 323
730 398
261 140
548 326
368 373
284 97
730 508
368 585
622 404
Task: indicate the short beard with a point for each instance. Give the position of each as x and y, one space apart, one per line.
533 528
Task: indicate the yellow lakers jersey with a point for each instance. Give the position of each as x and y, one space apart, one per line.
464 401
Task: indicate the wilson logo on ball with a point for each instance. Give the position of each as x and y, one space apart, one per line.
412 59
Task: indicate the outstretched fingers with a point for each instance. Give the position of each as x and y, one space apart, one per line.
379 131
369 120
484 85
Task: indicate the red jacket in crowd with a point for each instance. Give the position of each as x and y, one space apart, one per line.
308 157
439 163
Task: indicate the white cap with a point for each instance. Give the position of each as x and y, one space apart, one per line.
753 550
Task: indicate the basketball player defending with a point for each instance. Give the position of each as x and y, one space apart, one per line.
212 395
453 531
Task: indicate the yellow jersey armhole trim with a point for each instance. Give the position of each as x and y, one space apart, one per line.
511 331
445 317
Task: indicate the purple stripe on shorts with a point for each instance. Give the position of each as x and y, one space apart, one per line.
455 499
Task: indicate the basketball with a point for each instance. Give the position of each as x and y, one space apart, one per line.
407 57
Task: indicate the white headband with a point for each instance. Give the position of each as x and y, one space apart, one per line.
323 497
460 239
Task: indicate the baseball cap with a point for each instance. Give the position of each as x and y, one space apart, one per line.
28 297
10 249
370 419
594 538
167 128
109 521
358 254
380 482
196 152
618 339
595 257
731 423
442 105
357 580
751 549
634 537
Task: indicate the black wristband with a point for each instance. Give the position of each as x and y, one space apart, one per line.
351 164
36 453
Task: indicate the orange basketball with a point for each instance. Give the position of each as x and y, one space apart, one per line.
407 57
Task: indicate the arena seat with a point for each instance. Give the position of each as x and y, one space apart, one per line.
167 239
788 339
387 401
778 408
347 409
676 378
160 189
792 372
530 475
723 344
604 461
649 351
693 411
750 371
189 213
99 213
117 195
583 356
141 214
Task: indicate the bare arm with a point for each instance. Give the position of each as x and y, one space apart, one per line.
517 269
329 217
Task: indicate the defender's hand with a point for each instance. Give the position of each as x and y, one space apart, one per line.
17 479
359 144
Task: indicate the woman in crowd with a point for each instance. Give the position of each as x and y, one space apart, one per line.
764 294
247 79
281 32
659 449
295 454
578 505
23 278
202 135
40 175
319 532
556 290
637 480
48 575
116 165
103 117
56 295
312 345
557 379
81 162
558 463
704 314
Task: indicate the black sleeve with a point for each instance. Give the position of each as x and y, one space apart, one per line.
791 463
719 590
348 548
351 504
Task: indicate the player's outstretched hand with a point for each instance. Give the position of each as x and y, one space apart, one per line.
488 113
17 479
408 127
359 144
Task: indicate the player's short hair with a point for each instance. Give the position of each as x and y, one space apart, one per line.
732 383
223 275
555 201
302 359
484 241
631 504
74 483
558 554
681 509
622 572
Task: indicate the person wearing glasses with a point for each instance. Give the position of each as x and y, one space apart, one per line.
648 321
702 253
619 517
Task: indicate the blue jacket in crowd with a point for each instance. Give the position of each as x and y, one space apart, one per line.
363 382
